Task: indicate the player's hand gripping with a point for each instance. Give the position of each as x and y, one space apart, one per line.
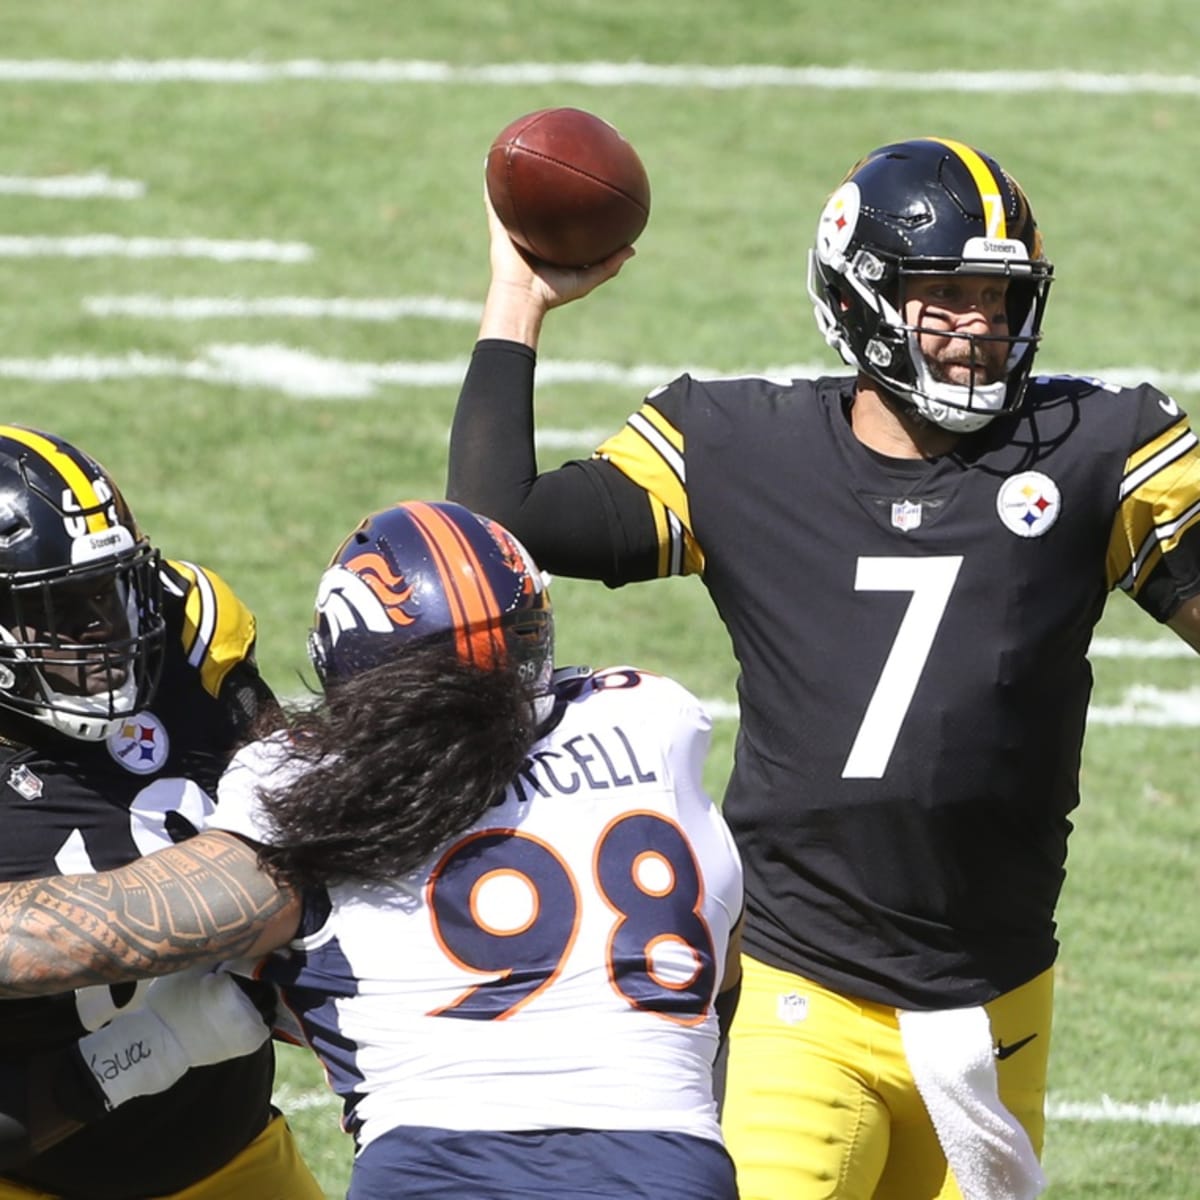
542 285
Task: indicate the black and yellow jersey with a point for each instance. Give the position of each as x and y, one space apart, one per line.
72 806
912 640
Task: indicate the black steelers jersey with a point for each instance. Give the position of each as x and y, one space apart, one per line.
70 806
912 639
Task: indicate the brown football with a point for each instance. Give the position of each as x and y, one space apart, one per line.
567 186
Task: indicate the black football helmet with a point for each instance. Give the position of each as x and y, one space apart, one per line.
81 622
927 207
433 570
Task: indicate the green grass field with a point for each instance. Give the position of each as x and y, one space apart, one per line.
253 442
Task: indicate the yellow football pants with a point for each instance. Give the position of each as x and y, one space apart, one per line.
270 1168
820 1103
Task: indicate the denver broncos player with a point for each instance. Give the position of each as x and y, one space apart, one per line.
501 901
125 682
910 561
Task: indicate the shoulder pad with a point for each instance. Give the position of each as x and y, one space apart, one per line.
218 629
565 675
567 683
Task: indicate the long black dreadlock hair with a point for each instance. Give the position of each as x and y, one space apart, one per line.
393 762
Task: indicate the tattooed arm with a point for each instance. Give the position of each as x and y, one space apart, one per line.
202 901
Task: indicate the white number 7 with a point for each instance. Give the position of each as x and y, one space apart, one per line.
931 580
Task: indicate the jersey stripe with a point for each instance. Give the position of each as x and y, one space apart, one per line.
675 564
72 474
649 450
219 630
201 609
1156 454
986 182
1159 477
1158 540
657 430
664 531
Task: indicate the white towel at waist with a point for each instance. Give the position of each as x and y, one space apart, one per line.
952 1060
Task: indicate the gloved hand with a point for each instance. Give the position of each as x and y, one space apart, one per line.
191 1019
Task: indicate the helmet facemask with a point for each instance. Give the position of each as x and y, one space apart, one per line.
81 647
906 221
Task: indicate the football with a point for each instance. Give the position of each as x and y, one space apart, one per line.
567 186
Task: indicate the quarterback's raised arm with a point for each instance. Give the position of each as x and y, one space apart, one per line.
570 519
202 901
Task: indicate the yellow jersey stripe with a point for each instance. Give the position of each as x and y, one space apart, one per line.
1157 512
990 191
662 531
649 450
660 423
218 629
1179 432
71 472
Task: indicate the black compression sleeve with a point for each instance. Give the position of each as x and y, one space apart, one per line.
584 519
492 460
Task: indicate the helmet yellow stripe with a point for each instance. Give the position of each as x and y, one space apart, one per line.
68 468
990 191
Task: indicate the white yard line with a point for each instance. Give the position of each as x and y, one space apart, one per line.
1108 647
590 74
298 372
1106 1109
109 245
335 308
1150 706
96 185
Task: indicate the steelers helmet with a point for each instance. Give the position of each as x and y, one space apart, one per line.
81 621
930 206
421 571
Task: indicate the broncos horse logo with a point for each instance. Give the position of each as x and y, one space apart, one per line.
389 588
363 597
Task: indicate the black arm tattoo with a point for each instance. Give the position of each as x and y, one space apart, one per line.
201 901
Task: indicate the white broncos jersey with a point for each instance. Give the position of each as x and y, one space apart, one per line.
552 967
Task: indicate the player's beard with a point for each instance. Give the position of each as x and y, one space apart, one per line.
969 367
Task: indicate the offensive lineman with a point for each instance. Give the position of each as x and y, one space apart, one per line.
504 905
910 562
126 681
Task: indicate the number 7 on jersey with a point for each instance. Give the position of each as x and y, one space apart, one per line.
930 580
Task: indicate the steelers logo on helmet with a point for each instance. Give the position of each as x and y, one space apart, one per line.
838 221
1029 503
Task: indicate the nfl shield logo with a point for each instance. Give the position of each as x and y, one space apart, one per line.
906 515
22 780
791 1007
